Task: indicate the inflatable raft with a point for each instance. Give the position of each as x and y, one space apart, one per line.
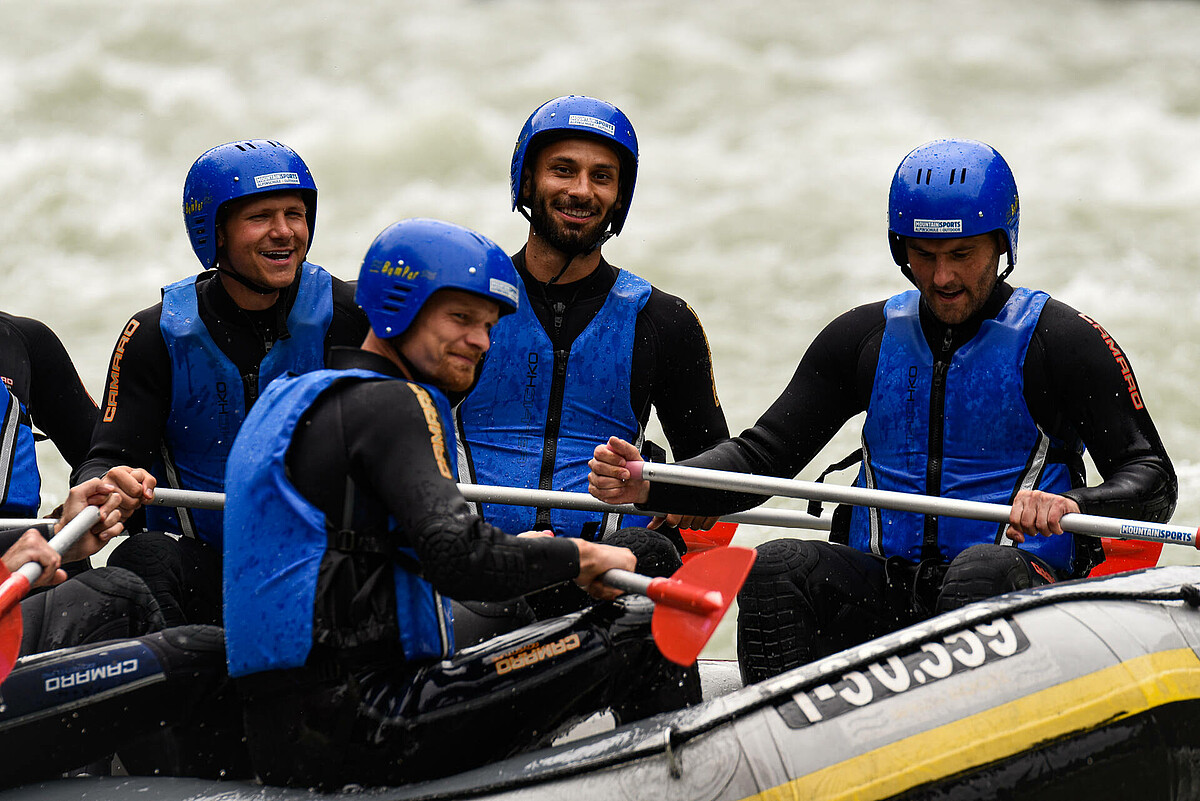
1081 690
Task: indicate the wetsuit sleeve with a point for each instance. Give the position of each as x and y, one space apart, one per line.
59 405
134 406
831 384
397 445
682 387
349 325
1080 381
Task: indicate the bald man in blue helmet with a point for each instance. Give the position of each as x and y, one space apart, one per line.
347 535
185 372
972 389
591 348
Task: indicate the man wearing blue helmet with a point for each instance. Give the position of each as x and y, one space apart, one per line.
342 640
972 389
185 371
592 347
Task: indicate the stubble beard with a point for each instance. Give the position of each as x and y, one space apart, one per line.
568 241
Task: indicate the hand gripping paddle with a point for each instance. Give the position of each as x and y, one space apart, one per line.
16 586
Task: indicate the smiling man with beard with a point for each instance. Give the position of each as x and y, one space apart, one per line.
591 348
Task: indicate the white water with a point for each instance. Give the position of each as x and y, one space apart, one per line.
769 132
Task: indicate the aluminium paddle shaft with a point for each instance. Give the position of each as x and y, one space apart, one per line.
1092 525
786 518
17 585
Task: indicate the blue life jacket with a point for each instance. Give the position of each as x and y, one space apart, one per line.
535 417
208 400
983 438
275 539
20 482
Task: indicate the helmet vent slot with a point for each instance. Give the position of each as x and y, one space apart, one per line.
927 173
395 298
962 176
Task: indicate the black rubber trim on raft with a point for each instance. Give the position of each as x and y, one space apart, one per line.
1149 755
689 724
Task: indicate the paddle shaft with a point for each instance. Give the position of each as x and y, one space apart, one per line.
785 518
17 585
689 597
1092 525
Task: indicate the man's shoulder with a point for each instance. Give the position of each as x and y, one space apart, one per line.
25 327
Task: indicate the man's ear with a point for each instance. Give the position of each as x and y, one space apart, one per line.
526 186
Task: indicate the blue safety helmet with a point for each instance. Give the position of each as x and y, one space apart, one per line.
579 115
236 170
952 188
412 259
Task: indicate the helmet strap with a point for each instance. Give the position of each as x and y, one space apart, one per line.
253 286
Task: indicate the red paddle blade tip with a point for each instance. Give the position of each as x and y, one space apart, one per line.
693 601
12 591
698 542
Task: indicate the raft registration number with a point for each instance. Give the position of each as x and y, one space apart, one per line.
933 661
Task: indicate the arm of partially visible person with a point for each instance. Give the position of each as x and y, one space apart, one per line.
59 404
1080 383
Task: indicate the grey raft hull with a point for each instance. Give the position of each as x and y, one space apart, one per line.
1089 689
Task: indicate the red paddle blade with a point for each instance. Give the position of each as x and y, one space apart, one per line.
10 621
692 602
1122 555
698 542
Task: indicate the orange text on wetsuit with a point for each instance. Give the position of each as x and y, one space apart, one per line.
114 372
1126 372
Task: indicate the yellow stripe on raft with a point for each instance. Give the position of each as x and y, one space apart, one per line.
1117 692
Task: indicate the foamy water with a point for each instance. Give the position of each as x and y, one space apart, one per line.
769 133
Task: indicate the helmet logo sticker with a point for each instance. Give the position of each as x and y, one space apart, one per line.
504 289
937 226
276 179
584 121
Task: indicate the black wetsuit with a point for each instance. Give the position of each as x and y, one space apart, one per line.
94 604
359 710
1078 388
185 576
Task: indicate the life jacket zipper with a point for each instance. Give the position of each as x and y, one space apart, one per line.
934 464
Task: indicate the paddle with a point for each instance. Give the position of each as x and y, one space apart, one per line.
697 541
16 586
1092 525
690 603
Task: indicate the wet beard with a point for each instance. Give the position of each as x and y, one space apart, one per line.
569 242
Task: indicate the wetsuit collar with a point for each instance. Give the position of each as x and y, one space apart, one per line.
210 288
937 333
345 358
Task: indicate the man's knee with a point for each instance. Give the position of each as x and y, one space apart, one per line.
101 604
656 554
984 571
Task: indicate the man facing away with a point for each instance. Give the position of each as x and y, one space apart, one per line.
973 389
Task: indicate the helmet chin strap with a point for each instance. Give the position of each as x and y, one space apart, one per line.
571 257
253 286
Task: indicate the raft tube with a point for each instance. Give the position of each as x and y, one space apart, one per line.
1084 689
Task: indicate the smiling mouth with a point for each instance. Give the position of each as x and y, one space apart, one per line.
577 214
276 255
